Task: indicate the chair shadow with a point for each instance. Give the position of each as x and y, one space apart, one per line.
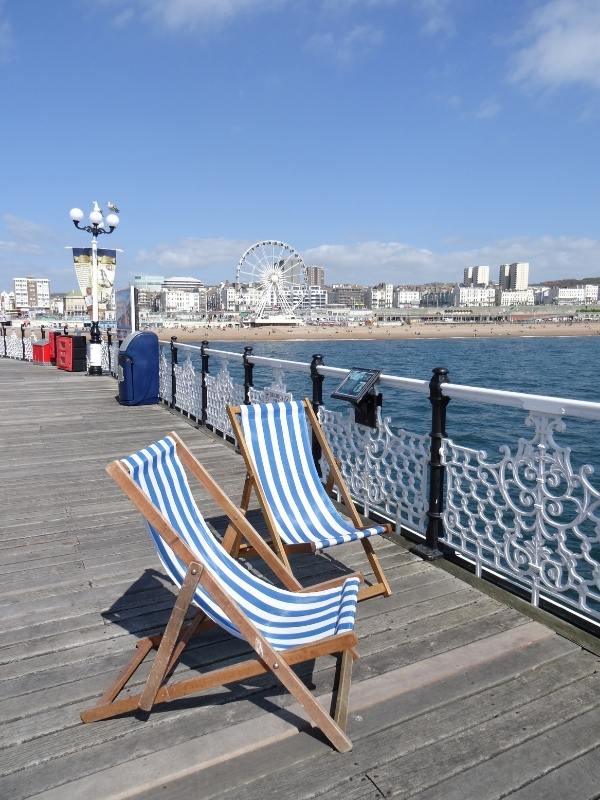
144 609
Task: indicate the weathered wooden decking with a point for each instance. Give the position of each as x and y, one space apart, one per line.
455 696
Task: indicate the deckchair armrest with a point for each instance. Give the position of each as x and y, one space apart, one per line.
387 526
331 584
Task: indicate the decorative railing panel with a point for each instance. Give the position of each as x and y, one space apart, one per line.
14 347
385 467
114 359
28 347
105 360
222 392
275 392
164 378
529 516
188 395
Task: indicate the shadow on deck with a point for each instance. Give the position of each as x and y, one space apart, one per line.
455 694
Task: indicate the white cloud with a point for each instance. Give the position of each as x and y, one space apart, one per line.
437 16
369 262
372 261
24 236
193 254
488 110
561 45
188 14
350 46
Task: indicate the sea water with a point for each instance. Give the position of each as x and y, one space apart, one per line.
561 367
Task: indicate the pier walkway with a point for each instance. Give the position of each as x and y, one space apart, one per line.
456 695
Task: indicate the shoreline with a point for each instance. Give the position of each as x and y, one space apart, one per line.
384 332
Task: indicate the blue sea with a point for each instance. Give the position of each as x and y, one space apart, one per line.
560 366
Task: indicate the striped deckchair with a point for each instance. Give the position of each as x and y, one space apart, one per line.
275 441
284 626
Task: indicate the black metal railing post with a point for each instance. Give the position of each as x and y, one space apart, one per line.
430 550
23 341
173 377
4 338
109 349
204 385
66 329
43 331
317 402
248 369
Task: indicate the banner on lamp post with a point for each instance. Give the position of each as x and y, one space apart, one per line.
107 267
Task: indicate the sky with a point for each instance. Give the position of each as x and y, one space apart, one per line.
386 140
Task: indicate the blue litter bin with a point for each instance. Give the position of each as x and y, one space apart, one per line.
138 369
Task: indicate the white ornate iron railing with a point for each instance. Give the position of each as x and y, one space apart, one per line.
527 516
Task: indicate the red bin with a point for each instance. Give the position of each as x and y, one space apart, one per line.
42 352
71 353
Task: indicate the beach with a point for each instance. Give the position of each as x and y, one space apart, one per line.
383 332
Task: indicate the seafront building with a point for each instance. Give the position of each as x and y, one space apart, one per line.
474 296
516 297
315 276
584 293
514 277
31 294
380 296
476 276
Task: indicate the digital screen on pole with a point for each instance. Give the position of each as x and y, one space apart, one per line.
357 383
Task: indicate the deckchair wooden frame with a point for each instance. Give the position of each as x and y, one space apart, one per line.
171 644
232 541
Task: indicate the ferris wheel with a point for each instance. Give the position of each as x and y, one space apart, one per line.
277 276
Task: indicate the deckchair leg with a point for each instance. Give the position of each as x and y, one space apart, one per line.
382 581
165 659
341 689
313 708
232 538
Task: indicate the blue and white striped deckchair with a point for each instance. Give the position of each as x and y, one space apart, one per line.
275 441
283 627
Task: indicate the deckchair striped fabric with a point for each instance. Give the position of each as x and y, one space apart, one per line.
286 619
279 444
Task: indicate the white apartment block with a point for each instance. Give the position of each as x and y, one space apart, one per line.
181 300
380 296
518 297
314 297
228 298
584 293
21 293
406 297
32 293
474 296
514 276
477 276
591 293
7 301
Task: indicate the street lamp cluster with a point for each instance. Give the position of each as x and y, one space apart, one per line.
98 225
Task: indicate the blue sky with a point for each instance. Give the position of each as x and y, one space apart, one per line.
395 140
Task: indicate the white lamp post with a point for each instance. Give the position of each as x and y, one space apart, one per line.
96 227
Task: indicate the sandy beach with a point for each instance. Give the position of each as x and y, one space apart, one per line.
382 332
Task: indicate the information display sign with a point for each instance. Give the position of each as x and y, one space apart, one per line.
357 383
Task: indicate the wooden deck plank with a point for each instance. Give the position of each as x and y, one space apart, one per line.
80 583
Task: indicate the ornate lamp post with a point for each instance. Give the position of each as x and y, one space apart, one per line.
96 228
